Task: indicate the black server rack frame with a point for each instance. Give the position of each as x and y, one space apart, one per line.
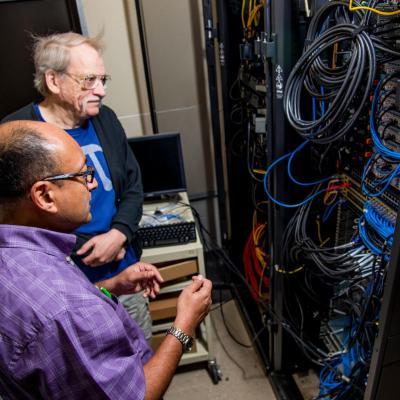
279 35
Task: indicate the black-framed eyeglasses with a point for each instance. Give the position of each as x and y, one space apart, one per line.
88 175
90 81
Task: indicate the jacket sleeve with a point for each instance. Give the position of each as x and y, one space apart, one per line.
130 202
26 113
127 179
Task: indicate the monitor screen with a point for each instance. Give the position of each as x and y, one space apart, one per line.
161 163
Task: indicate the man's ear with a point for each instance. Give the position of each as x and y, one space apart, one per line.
52 81
43 196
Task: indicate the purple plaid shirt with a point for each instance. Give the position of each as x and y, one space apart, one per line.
60 337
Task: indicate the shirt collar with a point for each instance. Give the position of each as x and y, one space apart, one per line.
36 239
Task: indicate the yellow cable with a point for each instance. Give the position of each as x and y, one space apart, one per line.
282 271
243 23
262 202
327 198
321 242
254 225
257 233
249 12
254 14
251 16
387 13
325 242
260 253
334 56
329 193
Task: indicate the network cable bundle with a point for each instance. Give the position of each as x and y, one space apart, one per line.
247 143
312 134
342 97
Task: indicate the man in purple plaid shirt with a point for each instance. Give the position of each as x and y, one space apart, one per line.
60 336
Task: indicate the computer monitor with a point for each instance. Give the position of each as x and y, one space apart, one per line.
161 163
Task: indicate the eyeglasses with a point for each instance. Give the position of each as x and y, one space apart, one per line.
88 175
90 81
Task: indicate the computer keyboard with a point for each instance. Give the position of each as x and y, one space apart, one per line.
167 234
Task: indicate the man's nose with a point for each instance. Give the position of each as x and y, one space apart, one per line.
100 89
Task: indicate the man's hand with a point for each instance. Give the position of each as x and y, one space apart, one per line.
135 278
193 305
104 248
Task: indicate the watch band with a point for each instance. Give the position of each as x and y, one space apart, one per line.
186 340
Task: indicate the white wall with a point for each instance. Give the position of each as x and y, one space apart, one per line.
126 93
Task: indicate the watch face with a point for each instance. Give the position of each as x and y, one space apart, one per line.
189 344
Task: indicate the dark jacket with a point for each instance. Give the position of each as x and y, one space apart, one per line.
124 170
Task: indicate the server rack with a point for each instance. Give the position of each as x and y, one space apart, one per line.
280 45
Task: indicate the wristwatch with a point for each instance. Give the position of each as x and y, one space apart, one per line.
186 340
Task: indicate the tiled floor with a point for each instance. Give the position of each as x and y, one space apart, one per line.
243 376
308 384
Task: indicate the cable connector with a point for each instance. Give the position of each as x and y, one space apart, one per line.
345 378
265 47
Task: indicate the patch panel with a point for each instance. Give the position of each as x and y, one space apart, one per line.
383 209
391 116
391 197
392 145
391 133
353 192
391 67
333 334
390 101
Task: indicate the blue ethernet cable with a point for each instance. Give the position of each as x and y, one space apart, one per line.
276 201
328 210
379 223
290 157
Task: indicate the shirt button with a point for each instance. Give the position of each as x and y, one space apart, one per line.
69 260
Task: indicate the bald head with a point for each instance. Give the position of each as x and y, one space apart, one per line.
29 151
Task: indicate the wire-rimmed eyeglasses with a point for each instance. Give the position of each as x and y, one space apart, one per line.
89 81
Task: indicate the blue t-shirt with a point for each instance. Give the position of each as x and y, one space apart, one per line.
102 203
